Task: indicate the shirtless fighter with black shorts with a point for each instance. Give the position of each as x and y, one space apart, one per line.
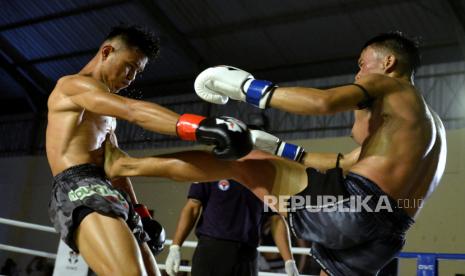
94 216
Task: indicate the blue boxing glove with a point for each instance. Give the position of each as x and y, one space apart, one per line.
272 144
218 84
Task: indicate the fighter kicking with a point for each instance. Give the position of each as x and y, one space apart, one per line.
93 216
401 155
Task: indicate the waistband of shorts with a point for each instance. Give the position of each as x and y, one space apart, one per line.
81 171
364 187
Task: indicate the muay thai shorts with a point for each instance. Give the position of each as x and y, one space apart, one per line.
83 189
355 228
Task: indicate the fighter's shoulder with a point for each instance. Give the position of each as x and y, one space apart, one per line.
72 84
378 84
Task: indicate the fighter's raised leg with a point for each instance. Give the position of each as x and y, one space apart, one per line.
263 173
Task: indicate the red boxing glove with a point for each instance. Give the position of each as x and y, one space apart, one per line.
187 126
230 136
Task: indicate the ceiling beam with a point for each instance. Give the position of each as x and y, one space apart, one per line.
58 57
43 84
169 28
33 98
292 16
62 14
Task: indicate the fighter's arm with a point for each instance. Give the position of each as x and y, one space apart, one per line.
229 135
150 263
125 184
269 143
312 101
90 94
219 84
325 161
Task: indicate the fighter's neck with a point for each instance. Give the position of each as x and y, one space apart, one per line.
91 68
402 77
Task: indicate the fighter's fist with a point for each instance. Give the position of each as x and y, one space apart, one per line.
153 228
267 142
230 136
218 84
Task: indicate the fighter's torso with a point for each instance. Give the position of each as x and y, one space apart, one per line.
403 143
74 136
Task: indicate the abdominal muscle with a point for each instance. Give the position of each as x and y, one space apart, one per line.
75 143
405 171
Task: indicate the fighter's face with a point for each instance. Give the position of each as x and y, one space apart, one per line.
122 66
370 62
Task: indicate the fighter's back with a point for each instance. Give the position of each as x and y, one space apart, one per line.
405 147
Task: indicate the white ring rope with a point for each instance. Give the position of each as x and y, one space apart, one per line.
27 251
267 249
27 225
189 244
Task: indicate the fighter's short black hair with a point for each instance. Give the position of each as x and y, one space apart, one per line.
137 36
404 47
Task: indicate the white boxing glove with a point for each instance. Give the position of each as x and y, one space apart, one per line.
173 260
291 268
269 143
218 84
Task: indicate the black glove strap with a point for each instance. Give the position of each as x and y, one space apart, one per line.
367 99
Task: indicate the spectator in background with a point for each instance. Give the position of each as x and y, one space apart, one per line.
228 231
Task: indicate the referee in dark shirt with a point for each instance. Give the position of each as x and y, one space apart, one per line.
228 231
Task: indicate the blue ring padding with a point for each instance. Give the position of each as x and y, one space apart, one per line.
255 91
444 256
427 263
290 151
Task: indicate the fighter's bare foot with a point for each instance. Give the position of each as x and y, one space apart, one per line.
114 157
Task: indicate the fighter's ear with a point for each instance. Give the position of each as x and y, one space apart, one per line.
389 63
106 50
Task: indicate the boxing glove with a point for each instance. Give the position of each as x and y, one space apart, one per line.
272 144
230 136
153 228
173 260
218 84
